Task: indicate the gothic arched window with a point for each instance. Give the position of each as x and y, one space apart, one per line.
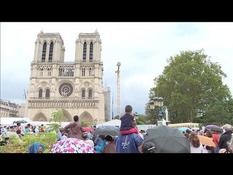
89 71
51 52
89 93
47 93
83 71
40 93
83 93
44 52
84 51
91 52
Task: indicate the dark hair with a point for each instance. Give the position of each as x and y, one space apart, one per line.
128 108
109 138
208 133
84 135
76 118
188 131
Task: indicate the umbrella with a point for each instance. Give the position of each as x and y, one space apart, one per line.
167 140
72 145
107 130
206 141
20 121
213 128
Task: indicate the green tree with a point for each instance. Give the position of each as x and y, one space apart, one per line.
192 84
152 114
57 116
142 119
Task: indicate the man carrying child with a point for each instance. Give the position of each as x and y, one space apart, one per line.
129 140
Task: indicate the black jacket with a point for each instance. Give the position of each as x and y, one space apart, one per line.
225 137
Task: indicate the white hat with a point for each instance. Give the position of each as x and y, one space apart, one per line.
227 127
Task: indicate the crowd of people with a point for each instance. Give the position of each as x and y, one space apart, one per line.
223 141
20 129
129 139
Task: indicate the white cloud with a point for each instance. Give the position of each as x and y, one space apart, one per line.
142 48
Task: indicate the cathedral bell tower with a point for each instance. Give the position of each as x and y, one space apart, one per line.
49 47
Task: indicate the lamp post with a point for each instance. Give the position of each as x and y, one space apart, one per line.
158 101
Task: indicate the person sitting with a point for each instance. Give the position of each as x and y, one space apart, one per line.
74 129
36 148
128 123
110 145
100 144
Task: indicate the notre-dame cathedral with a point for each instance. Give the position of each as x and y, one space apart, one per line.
75 87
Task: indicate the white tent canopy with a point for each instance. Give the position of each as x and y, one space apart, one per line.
10 120
114 122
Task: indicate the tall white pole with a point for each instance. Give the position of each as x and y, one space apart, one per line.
118 89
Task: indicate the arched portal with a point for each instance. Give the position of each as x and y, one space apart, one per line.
86 117
39 117
67 116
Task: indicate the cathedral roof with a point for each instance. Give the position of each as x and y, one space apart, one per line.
92 35
50 35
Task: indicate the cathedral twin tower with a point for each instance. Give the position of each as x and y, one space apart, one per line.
76 88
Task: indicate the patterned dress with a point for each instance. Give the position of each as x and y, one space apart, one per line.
72 145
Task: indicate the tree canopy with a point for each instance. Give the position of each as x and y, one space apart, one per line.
192 86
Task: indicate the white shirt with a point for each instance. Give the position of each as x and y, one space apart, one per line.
200 149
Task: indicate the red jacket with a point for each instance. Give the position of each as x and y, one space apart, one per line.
215 138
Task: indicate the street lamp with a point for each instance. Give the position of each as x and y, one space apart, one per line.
158 101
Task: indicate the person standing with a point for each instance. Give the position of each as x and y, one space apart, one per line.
129 141
74 129
195 145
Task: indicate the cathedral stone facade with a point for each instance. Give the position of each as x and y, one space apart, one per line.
75 87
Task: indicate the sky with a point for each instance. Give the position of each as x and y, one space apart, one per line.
142 48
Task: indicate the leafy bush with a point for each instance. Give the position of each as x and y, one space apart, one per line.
54 127
85 123
21 145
